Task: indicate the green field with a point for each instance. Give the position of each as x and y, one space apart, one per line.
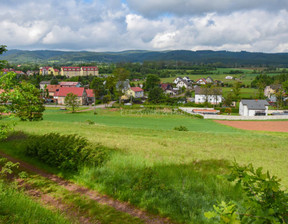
164 171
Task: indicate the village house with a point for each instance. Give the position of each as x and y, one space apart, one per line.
135 92
80 92
201 96
182 84
52 89
90 96
48 71
209 80
201 81
271 90
178 79
253 108
229 77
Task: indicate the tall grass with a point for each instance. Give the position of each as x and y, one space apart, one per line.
165 171
16 207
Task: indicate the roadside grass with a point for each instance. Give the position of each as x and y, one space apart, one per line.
16 207
161 170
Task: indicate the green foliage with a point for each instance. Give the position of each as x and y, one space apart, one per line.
156 95
264 202
181 128
67 152
71 100
224 213
152 81
23 99
98 87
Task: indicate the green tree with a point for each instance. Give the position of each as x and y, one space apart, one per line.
2 62
156 95
97 85
228 100
121 75
152 81
71 100
236 91
54 82
22 99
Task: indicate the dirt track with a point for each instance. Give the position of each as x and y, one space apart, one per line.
276 126
102 199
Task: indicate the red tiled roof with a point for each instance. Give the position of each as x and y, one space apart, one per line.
203 110
68 83
90 92
53 88
91 68
136 89
63 91
56 70
71 68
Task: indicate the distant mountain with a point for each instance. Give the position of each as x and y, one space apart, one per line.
242 58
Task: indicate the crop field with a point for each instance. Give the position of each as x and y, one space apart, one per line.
154 167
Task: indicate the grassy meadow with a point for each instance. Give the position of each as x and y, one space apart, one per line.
172 173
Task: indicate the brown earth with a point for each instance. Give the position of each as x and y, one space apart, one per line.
94 195
276 126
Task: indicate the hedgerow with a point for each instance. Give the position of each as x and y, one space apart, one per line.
67 152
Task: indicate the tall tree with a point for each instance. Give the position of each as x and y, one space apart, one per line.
71 100
236 91
2 50
23 99
156 95
152 81
121 75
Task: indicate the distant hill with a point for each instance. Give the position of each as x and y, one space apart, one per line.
224 57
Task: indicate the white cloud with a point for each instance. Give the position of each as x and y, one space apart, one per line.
112 25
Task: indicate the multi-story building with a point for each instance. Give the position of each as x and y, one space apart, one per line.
79 71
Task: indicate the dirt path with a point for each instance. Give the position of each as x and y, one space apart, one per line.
102 199
277 126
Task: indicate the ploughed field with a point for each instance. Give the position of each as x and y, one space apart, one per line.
275 126
176 174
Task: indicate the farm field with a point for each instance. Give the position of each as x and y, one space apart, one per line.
173 173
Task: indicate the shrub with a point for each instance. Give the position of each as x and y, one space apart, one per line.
67 152
181 128
265 201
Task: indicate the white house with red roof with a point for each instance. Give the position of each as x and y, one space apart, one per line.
80 92
201 81
136 92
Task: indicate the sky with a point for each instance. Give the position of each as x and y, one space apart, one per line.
117 25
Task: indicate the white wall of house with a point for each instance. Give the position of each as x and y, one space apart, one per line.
244 111
181 84
211 99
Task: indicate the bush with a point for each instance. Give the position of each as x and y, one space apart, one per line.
67 152
264 201
181 128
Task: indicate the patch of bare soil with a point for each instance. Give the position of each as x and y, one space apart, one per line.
54 203
276 126
102 199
